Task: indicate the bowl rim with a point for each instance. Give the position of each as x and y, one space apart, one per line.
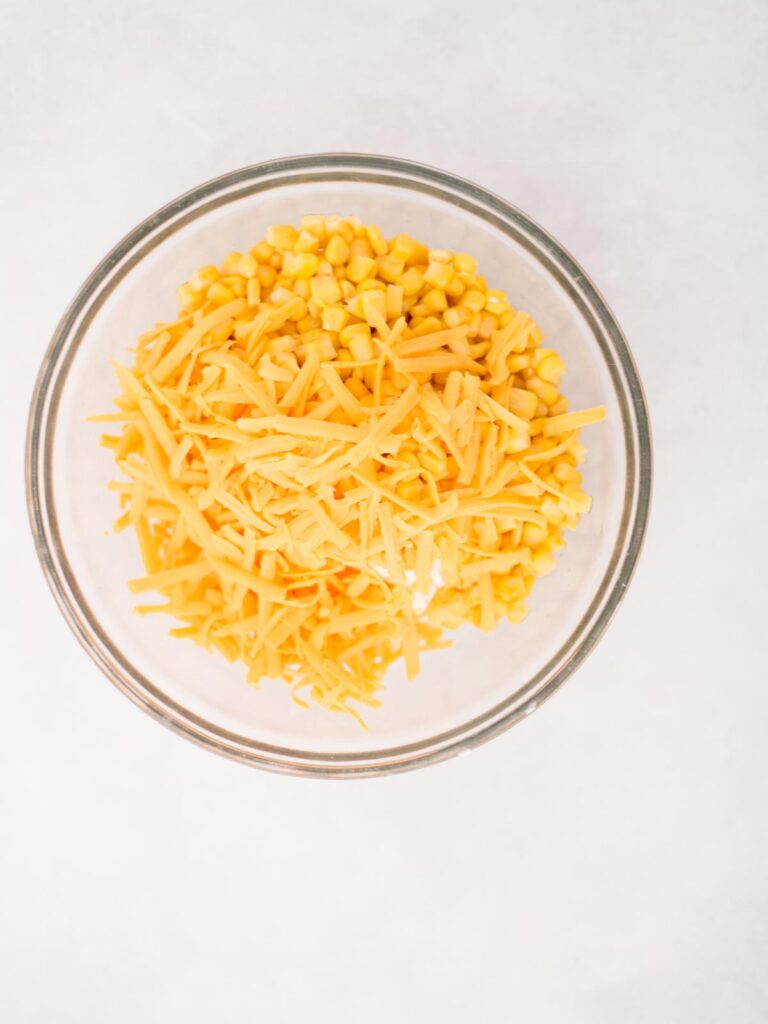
279 173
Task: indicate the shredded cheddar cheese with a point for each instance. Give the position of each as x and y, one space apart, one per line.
341 448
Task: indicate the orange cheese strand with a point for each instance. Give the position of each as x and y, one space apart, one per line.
341 448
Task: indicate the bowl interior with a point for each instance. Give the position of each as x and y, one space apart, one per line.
482 674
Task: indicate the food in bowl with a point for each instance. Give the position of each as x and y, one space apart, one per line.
343 448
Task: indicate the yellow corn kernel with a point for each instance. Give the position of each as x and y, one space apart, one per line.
337 251
578 451
361 347
427 326
246 267
361 247
510 588
263 252
437 465
344 356
314 224
533 534
347 288
353 331
306 242
338 226
371 284
542 563
377 241
357 226
439 274
188 298
566 474
219 294
473 300
394 301
551 369
464 263
496 302
411 281
547 392
435 301
390 269
355 306
488 325
374 306
236 284
203 278
308 323
334 318
410 490
550 509
360 267
302 264
282 236
456 316
355 385
325 291
231 261
516 363
439 256
455 288
407 249
267 275
301 287
253 292
522 403
559 407
517 612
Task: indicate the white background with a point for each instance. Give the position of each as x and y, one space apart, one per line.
606 861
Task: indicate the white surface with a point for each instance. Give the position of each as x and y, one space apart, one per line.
604 861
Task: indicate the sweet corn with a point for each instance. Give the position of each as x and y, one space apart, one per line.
334 318
464 263
314 224
360 267
407 249
282 236
496 302
361 347
390 269
352 331
411 281
231 262
335 290
435 301
361 247
219 294
253 292
394 301
547 392
325 291
303 264
306 242
188 298
551 369
473 300
439 274
376 239
337 251
203 278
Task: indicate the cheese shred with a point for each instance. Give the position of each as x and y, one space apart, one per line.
342 448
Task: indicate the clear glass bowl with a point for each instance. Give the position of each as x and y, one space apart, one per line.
464 695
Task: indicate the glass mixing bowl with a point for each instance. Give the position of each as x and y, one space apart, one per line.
464 695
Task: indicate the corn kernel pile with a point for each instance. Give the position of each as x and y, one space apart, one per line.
342 447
